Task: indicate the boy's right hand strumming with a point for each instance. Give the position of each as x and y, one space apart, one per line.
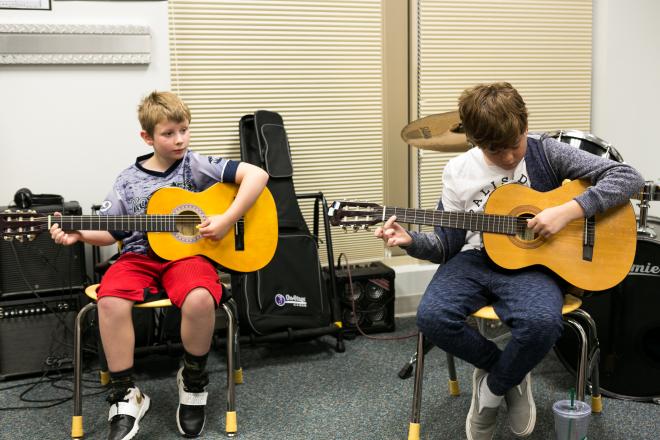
393 234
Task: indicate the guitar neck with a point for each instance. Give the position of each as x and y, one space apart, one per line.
146 223
499 224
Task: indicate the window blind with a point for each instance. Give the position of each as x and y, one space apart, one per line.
319 64
542 47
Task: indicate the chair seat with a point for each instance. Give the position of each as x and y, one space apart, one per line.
571 303
90 291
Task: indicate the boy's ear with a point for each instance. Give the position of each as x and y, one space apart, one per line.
147 137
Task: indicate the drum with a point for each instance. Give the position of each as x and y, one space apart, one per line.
628 325
587 142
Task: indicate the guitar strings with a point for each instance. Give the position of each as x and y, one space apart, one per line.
148 218
495 221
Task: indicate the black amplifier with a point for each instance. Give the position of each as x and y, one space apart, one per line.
372 290
41 265
37 334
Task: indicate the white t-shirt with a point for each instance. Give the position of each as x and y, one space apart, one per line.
468 181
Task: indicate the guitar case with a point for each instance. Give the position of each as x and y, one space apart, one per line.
290 292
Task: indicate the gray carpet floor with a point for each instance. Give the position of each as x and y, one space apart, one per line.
308 391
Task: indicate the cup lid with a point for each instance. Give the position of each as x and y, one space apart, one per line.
563 407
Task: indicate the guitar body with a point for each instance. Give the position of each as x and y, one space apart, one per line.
614 244
259 232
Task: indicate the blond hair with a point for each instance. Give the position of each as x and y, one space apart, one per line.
158 107
494 115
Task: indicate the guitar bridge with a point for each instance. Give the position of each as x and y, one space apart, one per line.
239 235
588 238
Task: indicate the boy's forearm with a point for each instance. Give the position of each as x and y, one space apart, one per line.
251 187
573 210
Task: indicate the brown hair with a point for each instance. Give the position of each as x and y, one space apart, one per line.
494 115
161 106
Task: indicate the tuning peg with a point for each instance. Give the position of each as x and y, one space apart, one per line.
8 237
19 238
344 228
355 228
365 227
31 237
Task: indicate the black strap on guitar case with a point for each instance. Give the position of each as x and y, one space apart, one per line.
290 296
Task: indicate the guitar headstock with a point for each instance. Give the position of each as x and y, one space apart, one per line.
20 225
355 214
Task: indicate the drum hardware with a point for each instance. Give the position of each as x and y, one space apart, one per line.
626 315
586 142
647 194
628 328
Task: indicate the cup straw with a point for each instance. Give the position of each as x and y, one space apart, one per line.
570 419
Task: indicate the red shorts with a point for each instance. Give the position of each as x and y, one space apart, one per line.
135 277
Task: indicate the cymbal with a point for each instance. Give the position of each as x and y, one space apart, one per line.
438 132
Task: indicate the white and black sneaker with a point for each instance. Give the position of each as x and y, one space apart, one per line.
190 415
125 415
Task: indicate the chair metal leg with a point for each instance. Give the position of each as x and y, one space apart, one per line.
238 370
593 374
230 421
77 431
596 398
414 427
454 389
583 361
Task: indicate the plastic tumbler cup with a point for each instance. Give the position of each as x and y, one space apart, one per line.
571 421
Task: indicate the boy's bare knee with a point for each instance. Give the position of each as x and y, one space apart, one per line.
199 300
110 306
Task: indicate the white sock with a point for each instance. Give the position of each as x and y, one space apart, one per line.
486 396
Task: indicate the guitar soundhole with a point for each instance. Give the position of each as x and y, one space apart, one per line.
522 232
186 223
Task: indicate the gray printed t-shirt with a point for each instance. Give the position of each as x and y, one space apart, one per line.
135 185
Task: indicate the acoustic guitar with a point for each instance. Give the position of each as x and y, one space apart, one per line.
594 253
171 226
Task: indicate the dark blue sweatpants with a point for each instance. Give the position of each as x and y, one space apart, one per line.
528 301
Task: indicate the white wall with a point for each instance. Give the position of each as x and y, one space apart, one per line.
626 82
70 129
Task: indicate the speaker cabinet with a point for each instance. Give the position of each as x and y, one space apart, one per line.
41 265
37 335
372 290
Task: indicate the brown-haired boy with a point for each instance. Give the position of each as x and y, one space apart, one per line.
528 301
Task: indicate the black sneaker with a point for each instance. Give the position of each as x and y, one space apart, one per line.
125 415
190 415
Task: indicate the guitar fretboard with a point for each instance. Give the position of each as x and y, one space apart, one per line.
499 224
146 223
